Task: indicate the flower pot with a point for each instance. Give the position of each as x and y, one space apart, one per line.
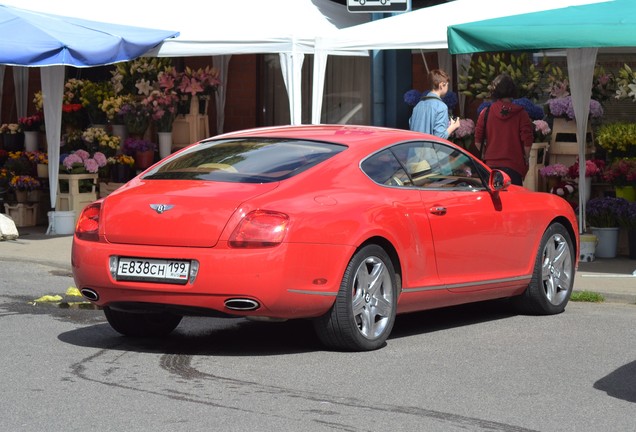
120 173
31 141
21 196
42 170
13 142
165 144
607 246
143 159
626 192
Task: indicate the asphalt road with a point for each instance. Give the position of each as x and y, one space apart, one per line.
475 368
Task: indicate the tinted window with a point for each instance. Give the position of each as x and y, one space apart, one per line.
246 160
424 164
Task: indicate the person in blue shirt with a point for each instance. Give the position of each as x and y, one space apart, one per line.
430 115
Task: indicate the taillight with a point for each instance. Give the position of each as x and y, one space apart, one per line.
87 227
260 228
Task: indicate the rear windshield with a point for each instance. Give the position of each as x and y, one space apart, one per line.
247 160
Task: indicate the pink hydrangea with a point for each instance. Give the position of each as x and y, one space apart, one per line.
72 159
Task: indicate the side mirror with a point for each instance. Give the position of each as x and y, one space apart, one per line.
498 180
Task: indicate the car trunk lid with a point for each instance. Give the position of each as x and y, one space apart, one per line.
185 213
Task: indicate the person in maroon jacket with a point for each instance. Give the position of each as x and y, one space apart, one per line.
508 131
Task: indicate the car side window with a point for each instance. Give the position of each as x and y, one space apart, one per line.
384 168
436 165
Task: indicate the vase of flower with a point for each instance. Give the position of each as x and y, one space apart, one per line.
31 141
165 144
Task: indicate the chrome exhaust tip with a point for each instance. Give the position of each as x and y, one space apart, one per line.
90 294
241 304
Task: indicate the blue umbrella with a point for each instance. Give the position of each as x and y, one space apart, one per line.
39 39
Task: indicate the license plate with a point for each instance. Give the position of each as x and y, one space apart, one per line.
153 270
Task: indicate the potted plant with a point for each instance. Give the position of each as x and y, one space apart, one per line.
22 184
604 215
553 174
622 175
618 139
142 150
593 168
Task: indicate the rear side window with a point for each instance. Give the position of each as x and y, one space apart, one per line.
246 160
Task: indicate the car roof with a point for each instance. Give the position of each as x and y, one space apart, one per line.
366 138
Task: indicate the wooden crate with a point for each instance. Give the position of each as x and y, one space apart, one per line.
23 215
73 199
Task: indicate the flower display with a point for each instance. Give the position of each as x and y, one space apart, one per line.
18 163
11 128
111 106
562 107
621 172
626 83
555 170
412 97
136 116
137 77
92 96
24 183
592 168
627 218
605 212
32 123
134 145
198 81
535 112
41 158
102 140
541 130
163 108
121 159
617 138
80 162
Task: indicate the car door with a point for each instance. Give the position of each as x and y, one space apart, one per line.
473 242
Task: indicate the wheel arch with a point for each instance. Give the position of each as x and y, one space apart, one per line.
391 252
571 231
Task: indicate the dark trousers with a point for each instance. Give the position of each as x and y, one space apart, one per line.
515 177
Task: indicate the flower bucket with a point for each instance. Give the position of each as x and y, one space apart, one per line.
626 192
61 222
607 246
588 247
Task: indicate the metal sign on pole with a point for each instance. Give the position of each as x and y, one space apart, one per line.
378 5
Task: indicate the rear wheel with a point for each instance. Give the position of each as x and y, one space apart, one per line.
362 317
553 278
143 324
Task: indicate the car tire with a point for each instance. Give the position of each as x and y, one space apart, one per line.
150 324
363 314
553 276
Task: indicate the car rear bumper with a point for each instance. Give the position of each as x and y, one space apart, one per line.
287 281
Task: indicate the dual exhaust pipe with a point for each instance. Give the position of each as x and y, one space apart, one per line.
236 304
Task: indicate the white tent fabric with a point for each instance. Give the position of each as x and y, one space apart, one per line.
422 29
581 62
221 27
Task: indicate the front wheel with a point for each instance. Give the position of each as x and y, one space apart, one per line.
363 314
553 277
150 324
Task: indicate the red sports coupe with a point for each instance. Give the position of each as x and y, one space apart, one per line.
345 225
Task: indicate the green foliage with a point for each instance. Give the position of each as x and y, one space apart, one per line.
528 77
586 296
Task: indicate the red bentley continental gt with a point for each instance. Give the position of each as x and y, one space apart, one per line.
348 226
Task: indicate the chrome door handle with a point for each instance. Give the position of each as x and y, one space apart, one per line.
439 211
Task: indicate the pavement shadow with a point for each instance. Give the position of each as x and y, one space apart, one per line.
241 337
620 384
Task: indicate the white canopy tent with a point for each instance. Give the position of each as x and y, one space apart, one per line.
221 27
422 29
